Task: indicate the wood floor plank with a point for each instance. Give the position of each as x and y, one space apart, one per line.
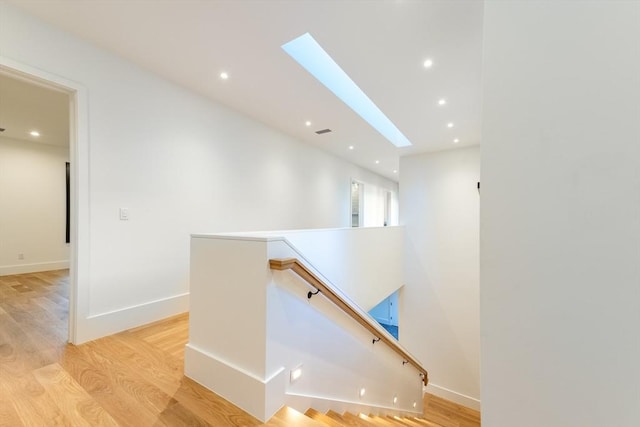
440 419
147 396
29 400
22 343
102 383
8 415
466 417
177 415
166 373
160 369
74 402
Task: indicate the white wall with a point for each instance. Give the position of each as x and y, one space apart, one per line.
364 263
439 316
32 207
560 236
181 164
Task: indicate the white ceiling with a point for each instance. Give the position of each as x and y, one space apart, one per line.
380 44
25 107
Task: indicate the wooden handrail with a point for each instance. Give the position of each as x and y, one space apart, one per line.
302 271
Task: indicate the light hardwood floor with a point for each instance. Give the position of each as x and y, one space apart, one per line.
134 378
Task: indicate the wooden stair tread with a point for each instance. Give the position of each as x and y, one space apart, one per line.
382 421
356 420
372 420
345 419
323 418
287 417
402 421
425 422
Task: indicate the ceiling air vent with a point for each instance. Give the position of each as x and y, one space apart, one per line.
320 132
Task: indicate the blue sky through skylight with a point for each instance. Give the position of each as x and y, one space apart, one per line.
313 58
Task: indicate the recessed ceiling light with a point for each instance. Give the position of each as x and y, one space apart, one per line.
395 171
428 63
224 75
307 123
34 133
442 101
351 147
450 125
377 162
312 57
455 141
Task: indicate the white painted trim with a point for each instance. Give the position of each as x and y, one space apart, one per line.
240 387
109 323
79 159
454 396
33 268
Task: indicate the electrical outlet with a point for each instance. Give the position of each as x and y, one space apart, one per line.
124 214
20 256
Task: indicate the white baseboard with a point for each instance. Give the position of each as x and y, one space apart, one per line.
453 396
261 398
8 270
101 325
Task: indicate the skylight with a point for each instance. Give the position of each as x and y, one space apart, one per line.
308 53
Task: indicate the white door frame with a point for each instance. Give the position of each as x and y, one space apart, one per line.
79 159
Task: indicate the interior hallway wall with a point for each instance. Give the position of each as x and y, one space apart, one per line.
32 207
440 303
560 234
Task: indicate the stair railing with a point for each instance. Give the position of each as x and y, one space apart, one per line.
301 270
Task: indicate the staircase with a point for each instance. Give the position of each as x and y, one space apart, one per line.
291 418
298 340
332 419
438 413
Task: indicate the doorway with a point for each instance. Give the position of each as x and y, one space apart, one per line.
372 206
77 155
